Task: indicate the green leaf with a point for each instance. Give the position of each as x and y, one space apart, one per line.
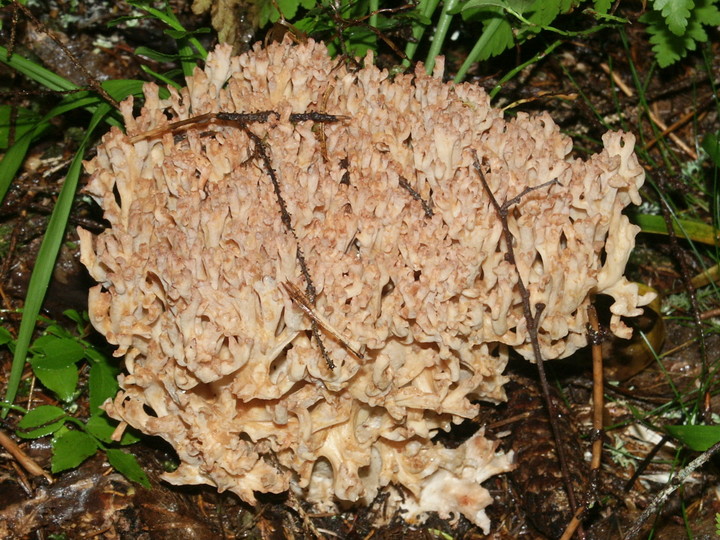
41 421
119 89
496 38
81 321
711 144
693 230
670 47
95 356
5 336
152 54
101 427
56 353
698 438
61 381
127 465
602 6
164 78
183 34
482 4
676 13
130 436
103 385
268 13
70 449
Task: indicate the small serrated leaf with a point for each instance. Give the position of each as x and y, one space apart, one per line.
670 47
127 465
70 449
61 381
41 421
676 13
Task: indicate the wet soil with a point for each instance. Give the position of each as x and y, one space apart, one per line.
581 84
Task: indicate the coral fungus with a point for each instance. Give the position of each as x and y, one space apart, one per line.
418 303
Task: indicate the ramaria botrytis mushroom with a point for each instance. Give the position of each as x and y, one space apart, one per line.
407 258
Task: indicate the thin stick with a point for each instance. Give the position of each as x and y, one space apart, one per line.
415 195
598 401
28 463
304 304
92 81
259 117
575 522
532 323
310 290
679 122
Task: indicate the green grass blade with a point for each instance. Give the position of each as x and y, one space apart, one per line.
488 31
692 230
509 75
36 72
426 8
13 159
46 258
160 77
441 31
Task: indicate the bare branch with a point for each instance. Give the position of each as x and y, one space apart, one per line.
532 323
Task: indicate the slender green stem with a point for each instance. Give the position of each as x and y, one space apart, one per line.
441 31
426 9
482 42
373 5
539 56
10 407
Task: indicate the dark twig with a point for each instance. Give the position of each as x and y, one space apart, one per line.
310 291
92 81
259 117
13 27
645 462
242 120
532 322
343 24
415 195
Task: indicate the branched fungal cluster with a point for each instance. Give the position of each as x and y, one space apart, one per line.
306 296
